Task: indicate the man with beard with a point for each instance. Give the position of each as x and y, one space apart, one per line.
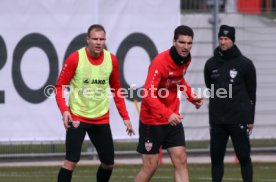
232 77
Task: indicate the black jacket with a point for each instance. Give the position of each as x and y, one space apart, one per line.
232 72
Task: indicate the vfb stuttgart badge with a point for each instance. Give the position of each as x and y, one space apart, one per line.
148 145
233 73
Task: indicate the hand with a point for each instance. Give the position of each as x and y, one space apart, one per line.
250 128
66 117
129 130
175 119
198 102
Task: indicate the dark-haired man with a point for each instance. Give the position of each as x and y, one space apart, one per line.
160 121
90 71
231 114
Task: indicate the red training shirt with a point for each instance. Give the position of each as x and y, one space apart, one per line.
163 74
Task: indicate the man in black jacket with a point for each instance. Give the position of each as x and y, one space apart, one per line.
231 78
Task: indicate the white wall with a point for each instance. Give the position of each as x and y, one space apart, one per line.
25 115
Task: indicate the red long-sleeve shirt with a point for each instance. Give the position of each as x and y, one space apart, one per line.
163 74
68 72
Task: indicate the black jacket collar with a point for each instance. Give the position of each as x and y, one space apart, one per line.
228 54
178 60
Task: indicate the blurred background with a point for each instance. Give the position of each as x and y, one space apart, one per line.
36 36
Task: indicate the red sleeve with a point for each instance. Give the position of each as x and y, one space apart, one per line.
151 87
187 90
115 86
185 87
64 79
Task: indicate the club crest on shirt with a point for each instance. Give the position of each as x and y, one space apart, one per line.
148 145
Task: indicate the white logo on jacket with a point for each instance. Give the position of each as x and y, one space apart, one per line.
233 73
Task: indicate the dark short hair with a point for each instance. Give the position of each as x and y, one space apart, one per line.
96 27
183 30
